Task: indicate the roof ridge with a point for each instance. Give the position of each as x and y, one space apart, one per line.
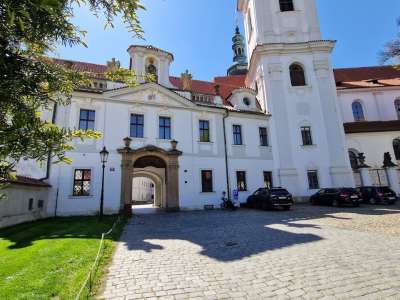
78 61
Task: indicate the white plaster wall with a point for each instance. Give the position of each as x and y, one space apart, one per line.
373 145
270 25
14 208
378 104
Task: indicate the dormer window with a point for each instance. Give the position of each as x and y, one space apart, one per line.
286 5
151 71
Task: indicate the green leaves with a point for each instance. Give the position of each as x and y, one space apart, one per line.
31 83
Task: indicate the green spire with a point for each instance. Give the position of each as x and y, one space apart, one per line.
239 54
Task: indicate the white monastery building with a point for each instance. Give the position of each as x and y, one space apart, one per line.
282 117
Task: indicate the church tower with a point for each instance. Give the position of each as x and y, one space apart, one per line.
290 67
239 55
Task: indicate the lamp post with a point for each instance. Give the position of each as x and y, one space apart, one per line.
103 157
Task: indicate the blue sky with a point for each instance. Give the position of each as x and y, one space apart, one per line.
199 33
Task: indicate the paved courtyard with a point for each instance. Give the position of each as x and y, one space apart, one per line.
307 253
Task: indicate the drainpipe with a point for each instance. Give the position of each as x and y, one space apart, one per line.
226 115
48 165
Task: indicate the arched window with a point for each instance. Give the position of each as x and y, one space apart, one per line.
297 75
358 111
396 148
397 106
286 5
353 159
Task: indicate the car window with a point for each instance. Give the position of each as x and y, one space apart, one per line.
279 190
384 189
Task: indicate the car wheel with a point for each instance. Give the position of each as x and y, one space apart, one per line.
372 201
313 202
356 204
287 207
335 203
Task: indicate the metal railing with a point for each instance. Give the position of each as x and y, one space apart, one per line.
86 289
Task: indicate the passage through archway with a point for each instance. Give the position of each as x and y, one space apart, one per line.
154 164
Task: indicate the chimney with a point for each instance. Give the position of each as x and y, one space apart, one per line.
186 79
218 98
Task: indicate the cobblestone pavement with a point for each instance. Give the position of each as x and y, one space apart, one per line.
307 253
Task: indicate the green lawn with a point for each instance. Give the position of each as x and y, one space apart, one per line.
51 258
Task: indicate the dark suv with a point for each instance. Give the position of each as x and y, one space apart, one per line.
378 195
269 198
337 197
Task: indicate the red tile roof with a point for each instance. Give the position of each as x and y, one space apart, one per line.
346 78
367 77
30 182
82 66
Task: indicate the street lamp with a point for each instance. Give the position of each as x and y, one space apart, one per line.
103 157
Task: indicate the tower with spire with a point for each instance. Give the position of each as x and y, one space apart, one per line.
239 66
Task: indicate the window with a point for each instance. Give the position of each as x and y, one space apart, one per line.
86 119
306 135
30 204
40 204
396 148
268 181
204 131
313 183
297 76
137 126
353 160
151 71
358 111
82 179
249 24
397 105
165 128
263 136
206 181
241 181
286 5
237 135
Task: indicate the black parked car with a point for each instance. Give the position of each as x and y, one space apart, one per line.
269 198
337 197
378 195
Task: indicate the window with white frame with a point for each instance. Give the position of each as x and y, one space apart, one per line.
204 131
358 111
306 135
237 135
241 181
206 181
313 183
137 126
87 119
82 182
263 136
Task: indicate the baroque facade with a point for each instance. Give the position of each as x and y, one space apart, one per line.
285 118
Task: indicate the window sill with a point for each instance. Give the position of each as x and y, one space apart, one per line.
80 197
204 193
239 146
138 138
308 146
205 143
264 147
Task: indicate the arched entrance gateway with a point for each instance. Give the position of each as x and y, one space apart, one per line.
156 164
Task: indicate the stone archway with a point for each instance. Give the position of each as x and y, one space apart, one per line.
145 158
157 176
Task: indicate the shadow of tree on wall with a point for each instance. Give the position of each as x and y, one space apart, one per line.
229 236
